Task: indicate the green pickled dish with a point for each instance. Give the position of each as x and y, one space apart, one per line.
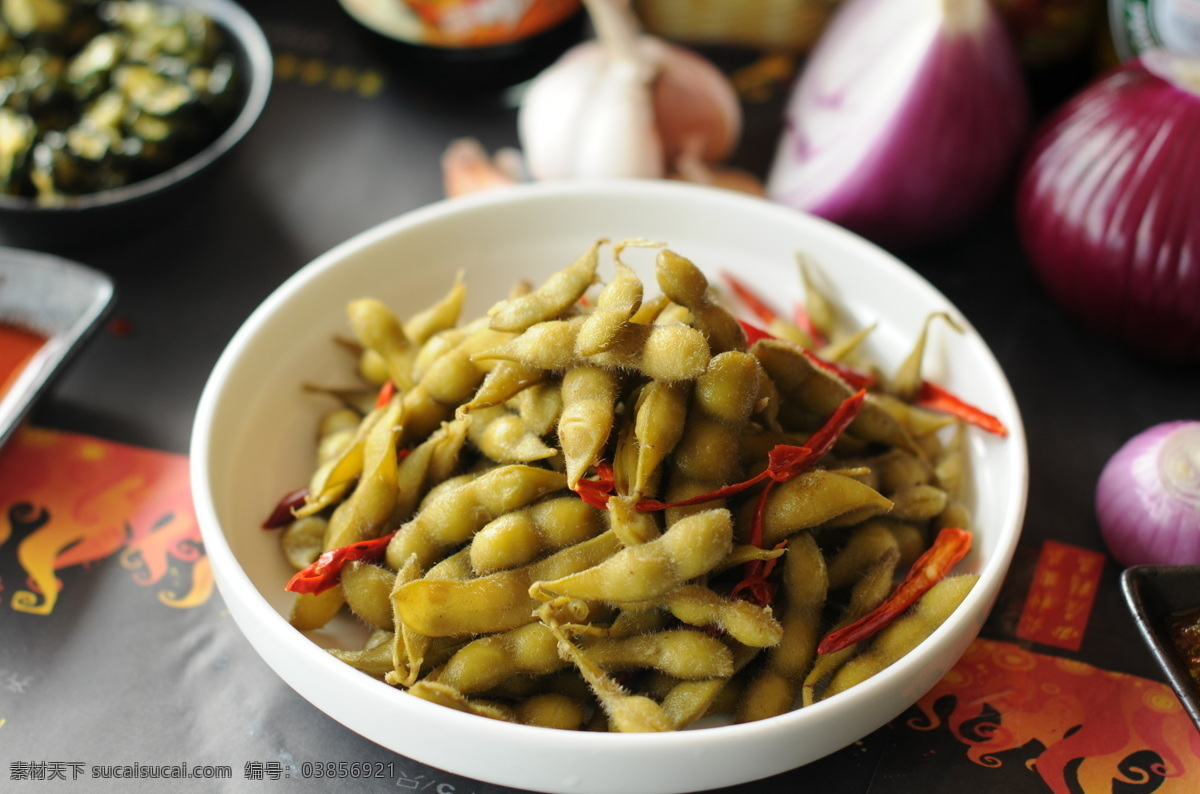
98 94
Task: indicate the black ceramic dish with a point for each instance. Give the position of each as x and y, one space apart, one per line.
475 71
95 217
1154 593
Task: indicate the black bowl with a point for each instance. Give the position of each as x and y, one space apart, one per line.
99 217
1154 594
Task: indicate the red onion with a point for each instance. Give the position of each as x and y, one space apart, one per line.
906 119
1109 206
1148 497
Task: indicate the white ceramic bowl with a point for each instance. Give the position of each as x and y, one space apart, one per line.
252 443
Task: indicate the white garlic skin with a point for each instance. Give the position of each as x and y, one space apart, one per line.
592 115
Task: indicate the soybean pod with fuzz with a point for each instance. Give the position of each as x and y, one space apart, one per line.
814 499
893 642
502 436
454 516
521 536
589 397
660 417
616 305
496 602
685 284
689 548
368 509
805 587
549 301
382 334
867 593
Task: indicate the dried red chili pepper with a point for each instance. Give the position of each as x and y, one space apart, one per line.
326 571
282 513
598 491
950 546
853 378
803 320
386 391
755 304
784 462
759 308
754 333
754 586
936 398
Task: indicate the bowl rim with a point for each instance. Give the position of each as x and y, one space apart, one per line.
232 578
245 36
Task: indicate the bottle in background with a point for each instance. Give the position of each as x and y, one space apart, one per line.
1140 25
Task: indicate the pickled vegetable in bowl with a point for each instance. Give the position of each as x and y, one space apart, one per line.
691 541
111 102
105 94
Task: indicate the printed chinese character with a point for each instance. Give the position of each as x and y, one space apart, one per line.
1047 578
1066 634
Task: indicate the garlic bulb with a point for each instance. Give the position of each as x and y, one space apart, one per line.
626 105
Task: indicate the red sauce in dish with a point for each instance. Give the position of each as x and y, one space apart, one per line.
1184 628
17 346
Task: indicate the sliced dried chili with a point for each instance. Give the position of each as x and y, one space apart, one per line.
754 303
803 320
281 515
853 378
386 391
936 398
597 492
754 333
784 462
326 571
759 308
950 546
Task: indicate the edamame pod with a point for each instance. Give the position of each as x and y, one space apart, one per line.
589 396
905 633
455 515
380 332
690 547
551 299
617 303
502 436
805 587
495 602
520 536
816 498
660 416
368 509
686 285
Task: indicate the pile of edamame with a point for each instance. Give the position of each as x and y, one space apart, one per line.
570 512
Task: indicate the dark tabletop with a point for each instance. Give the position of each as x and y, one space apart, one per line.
328 161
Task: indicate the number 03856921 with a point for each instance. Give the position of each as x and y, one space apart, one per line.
341 770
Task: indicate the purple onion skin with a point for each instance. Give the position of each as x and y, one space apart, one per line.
946 153
1108 209
1142 521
